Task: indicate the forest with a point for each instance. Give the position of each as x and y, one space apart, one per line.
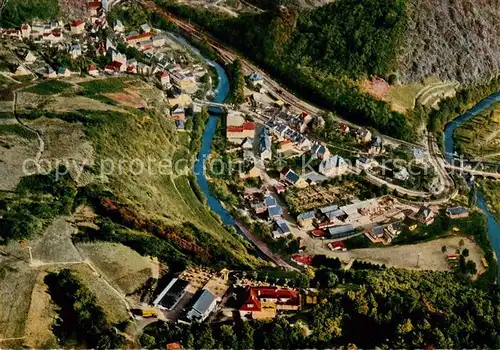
392 308
321 53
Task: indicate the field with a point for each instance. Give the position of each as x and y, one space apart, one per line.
49 87
314 197
479 137
431 256
122 266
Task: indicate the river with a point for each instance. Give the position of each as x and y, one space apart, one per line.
493 224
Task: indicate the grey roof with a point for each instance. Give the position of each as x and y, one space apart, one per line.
456 210
275 211
305 216
329 208
203 303
283 226
340 231
270 201
378 230
335 214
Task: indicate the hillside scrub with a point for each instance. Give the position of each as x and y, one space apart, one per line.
457 40
320 53
81 320
17 12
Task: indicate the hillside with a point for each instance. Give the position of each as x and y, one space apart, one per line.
453 40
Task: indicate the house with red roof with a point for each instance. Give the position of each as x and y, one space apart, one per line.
134 39
93 71
94 8
77 27
247 129
25 30
260 303
13 33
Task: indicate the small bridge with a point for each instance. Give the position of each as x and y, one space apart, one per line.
485 174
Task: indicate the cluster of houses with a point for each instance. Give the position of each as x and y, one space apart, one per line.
206 290
268 208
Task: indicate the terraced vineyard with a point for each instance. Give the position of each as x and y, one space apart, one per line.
480 137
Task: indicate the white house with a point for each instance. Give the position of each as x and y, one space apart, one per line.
25 31
203 306
118 27
402 174
333 166
29 58
75 51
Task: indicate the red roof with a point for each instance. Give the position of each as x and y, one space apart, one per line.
232 128
131 68
302 259
163 74
24 27
94 4
116 64
248 126
92 67
174 346
253 295
284 143
303 115
139 36
338 244
343 127
77 22
318 233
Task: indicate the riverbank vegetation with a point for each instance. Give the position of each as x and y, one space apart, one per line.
237 79
311 51
396 308
491 191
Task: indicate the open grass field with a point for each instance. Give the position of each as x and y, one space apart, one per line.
104 86
479 137
49 87
314 197
122 266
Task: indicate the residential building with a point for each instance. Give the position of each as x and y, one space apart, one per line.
118 27
22 70
13 33
402 174
203 306
164 78
145 28
94 8
425 215
170 296
319 151
279 188
253 172
93 71
376 146
53 37
159 40
247 129
339 232
178 113
29 58
77 27
282 229
63 72
25 31
418 155
363 135
255 79
344 128
182 81
133 39
265 145
50 73
261 303
377 232
285 146
180 124
292 178
117 56
457 212
75 51
313 178
333 166
306 219
179 98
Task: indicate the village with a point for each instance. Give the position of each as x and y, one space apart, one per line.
301 173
